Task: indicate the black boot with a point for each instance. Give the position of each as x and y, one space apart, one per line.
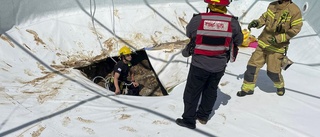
184 123
243 93
202 121
280 91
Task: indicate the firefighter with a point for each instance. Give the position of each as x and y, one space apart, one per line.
282 21
213 32
121 72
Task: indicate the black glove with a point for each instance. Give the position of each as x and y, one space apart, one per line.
188 50
253 24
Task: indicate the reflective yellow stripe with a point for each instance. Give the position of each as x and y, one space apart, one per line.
269 47
283 37
265 15
279 50
296 22
285 20
247 87
262 44
111 79
288 18
279 85
271 14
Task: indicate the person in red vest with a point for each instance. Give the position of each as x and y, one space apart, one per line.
214 34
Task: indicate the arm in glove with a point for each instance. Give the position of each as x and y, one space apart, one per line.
272 40
253 24
188 50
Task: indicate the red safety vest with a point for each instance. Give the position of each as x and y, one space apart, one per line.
214 34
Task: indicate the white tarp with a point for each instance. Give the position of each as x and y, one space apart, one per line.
41 94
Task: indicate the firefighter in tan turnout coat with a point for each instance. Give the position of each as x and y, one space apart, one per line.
282 21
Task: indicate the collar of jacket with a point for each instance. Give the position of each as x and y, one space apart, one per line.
283 5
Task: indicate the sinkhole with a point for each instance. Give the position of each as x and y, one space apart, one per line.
100 72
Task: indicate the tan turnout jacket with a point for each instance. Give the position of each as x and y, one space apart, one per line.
282 21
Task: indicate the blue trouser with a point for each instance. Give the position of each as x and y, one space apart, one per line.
200 82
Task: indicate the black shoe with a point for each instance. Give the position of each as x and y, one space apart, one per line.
183 123
202 121
243 93
280 91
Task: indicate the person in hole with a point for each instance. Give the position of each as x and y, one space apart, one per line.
122 70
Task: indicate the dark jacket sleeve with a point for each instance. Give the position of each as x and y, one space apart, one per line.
191 29
237 35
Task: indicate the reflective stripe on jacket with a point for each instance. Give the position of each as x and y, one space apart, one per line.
214 34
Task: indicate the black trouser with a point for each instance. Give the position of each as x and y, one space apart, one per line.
200 82
131 89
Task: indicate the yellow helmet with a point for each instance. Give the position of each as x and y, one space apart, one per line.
124 51
218 8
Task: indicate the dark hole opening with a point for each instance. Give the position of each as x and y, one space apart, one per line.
144 73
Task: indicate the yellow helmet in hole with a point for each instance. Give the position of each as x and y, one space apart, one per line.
124 51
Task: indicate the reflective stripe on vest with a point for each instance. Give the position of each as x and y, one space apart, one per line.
214 34
212 48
